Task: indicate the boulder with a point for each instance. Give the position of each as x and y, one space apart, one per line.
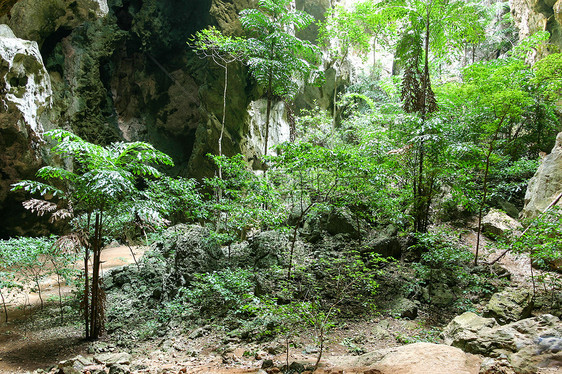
546 184
498 223
119 369
510 305
340 221
386 247
527 345
420 358
188 249
464 330
404 308
268 248
110 359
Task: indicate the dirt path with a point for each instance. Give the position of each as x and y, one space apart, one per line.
33 339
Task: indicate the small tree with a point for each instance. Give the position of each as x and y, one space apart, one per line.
430 26
223 50
278 60
102 178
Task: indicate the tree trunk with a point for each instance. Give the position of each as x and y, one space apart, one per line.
268 112
485 190
223 117
4 305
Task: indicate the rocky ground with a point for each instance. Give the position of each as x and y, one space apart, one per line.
516 340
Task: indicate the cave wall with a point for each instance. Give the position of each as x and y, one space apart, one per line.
121 70
531 16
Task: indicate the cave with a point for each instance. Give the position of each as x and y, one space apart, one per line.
52 40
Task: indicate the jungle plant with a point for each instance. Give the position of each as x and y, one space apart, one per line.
248 201
277 59
101 178
223 50
437 27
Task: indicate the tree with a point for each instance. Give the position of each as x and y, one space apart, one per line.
430 26
101 179
342 32
223 50
277 59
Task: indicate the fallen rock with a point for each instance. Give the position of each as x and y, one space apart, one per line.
119 369
74 365
499 223
464 330
404 308
510 305
110 359
420 358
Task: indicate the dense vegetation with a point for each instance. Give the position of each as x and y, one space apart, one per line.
294 245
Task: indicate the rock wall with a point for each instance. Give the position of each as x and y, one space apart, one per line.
531 16
122 70
546 184
24 104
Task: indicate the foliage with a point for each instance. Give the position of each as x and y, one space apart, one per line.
102 178
247 201
548 72
542 240
214 295
445 260
278 60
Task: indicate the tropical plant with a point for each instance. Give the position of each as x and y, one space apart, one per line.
278 60
438 27
101 179
223 50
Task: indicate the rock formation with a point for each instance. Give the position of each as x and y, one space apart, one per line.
122 70
531 16
528 344
24 104
546 184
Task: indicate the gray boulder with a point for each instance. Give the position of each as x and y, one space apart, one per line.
110 359
188 249
528 344
499 223
464 330
404 308
268 248
341 221
510 305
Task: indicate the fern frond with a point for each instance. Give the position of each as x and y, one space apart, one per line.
39 207
60 215
37 187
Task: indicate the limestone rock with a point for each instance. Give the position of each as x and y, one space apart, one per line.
463 331
340 221
420 358
531 16
279 130
268 248
546 184
25 98
37 19
119 369
510 305
187 251
404 308
109 359
527 344
499 223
